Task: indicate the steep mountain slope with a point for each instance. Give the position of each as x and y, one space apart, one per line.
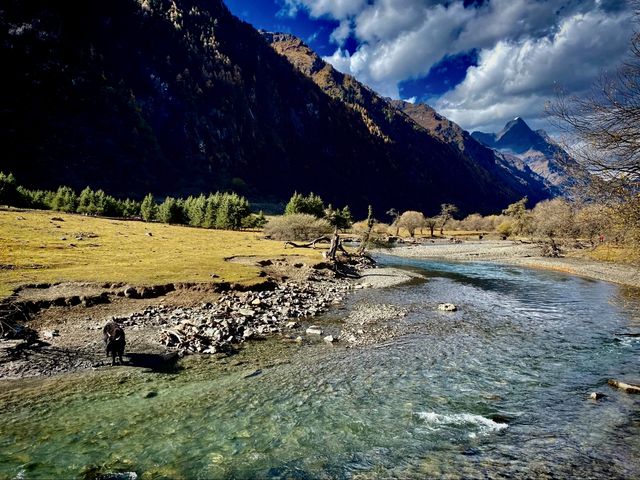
518 142
508 169
163 96
420 131
179 96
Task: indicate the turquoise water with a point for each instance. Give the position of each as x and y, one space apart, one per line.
497 389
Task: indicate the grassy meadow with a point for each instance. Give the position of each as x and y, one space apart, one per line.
34 248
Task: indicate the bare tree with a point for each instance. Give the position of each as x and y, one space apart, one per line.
606 122
430 223
593 220
604 131
446 213
395 214
411 221
522 220
554 220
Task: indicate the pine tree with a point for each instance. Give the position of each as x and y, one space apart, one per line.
148 208
64 200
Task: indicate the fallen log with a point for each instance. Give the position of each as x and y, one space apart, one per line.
627 387
311 244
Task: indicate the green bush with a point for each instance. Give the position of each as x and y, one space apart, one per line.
169 211
311 204
340 218
8 189
254 221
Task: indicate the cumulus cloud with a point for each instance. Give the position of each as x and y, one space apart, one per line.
525 47
341 33
516 77
337 9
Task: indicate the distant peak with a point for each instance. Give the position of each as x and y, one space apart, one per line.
517 124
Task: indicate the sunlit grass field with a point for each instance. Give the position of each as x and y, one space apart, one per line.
35 248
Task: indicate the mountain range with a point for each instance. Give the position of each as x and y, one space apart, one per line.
181 97
535 150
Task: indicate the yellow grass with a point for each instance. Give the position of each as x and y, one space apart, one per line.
34 249
610 253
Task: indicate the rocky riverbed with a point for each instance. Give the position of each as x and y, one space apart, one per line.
165 325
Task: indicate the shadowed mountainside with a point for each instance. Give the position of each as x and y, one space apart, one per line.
180 97
509 169
418 129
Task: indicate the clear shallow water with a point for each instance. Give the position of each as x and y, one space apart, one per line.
496 389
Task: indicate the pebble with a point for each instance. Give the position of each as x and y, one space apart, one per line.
51 334
314 330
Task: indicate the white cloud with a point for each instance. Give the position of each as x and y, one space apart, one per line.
341 33
525 47
516 77
338 9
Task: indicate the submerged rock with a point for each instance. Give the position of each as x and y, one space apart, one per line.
447 307
627 387
597 395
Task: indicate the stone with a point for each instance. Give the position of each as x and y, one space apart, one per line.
51 334
596 395
254 373
330 339
246 312
256 301
150 394
292 325
130 292
314 330
248 333
447 307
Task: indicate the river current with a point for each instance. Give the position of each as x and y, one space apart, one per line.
499 388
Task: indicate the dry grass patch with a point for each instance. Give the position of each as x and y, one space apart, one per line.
35 248
610 253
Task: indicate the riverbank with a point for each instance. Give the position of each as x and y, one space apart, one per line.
165 322
521 254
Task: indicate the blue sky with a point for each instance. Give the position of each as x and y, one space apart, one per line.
478 62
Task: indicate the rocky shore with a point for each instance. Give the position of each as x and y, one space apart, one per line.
164 323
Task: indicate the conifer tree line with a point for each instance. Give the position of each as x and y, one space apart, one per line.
217 210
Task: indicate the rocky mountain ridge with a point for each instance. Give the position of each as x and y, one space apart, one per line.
413 124
508 168
517 142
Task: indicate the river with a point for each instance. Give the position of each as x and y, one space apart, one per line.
497 389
